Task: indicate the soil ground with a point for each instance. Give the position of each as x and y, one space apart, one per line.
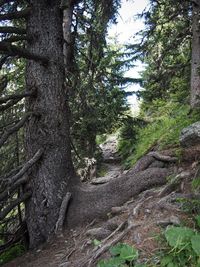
150 212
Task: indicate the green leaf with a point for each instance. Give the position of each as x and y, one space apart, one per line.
96 242
116 250
198 220
128 253
166 260
196 244
113 262
178 236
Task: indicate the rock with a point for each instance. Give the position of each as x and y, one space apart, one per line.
137 238
117 210
98 233
174 220
190 135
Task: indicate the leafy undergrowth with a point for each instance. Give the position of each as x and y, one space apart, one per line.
12 253
162 130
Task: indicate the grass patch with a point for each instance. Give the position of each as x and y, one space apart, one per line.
163 130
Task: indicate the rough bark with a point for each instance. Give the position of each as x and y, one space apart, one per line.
49 178
195 65
90 202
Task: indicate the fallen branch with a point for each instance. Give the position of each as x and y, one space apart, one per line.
62 212
13 129
13 204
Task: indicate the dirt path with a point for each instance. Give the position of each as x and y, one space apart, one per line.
111 161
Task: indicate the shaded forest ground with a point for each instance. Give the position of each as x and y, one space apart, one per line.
147 214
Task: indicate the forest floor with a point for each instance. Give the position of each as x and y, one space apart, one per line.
148 214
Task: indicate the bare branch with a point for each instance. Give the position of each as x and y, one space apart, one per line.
27 166
62 212
10 103
15 15
13 50
14 182
9 29
16 96
14 129
13 204
15 39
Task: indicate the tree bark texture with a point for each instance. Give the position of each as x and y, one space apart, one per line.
90 202
195 67
50 129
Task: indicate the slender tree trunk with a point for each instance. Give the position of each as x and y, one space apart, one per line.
49 129
195 69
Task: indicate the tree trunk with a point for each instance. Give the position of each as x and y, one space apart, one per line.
195 67
49 129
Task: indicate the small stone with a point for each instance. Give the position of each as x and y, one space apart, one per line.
137 238
175 220
98 233
117 210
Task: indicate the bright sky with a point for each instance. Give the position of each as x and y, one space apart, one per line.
125 31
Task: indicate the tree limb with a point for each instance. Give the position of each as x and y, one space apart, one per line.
10 29
15 15
9 104
14 182
13 50
27 166
13 129
13 204
16 96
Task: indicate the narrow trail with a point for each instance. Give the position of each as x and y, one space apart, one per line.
111 161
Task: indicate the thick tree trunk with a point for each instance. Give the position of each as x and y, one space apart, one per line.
49 129
195 67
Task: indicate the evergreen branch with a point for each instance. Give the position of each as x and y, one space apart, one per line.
15 15
14 129
13 204
13 50
10 29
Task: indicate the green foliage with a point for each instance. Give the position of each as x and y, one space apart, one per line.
123 255
167 119
12 253
128 135
184 248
